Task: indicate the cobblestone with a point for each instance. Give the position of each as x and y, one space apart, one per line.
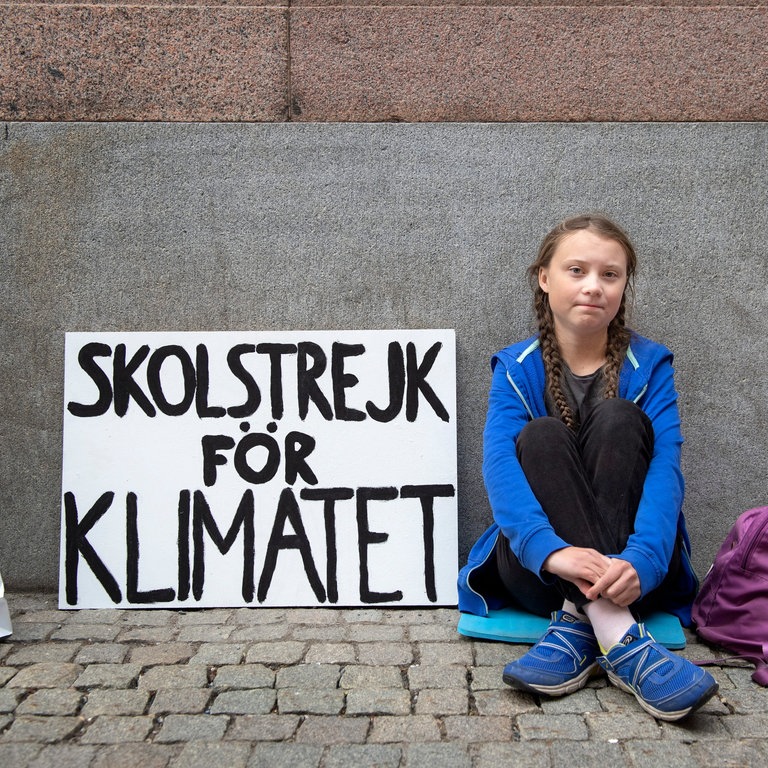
108 676
28 632
115 702
331 653
385 653
507 703
732 754
383 756
357 676
333 730
442 701
258 701
6 673
526 755
219 653
164 653
182 701
383 701
445 653
605 726
45 675
285 756
51 701
378 633
43 730
405 729
438 676
183 728
244 676
158 678
133 754
549 727
320 688
271 727
201 754
260 633
8 700
699 726
444 755
318 676
215 616
102 653
115 729
204 633
307 700
322 633
19 754
646 754
90 632
590 753
42 653
288 652
149 634
477 730
582 701
64 756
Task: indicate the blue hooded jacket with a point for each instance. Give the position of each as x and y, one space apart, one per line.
516 397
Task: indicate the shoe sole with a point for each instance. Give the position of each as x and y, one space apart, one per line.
658 713
561 689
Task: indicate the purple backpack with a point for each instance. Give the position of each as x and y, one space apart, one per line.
731 609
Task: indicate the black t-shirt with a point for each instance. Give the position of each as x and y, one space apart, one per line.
583 393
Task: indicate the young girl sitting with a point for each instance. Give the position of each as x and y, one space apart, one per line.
582 468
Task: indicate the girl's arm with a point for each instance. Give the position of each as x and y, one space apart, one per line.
649 549
515 508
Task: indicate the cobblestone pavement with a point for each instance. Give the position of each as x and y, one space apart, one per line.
235 688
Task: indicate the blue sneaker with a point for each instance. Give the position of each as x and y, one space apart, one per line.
560 662
666 685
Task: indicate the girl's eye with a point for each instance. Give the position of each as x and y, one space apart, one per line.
574 270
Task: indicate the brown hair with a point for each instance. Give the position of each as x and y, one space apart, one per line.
618 334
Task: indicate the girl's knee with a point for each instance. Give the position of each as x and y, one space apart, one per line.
543 438
618 407
616 415
544 430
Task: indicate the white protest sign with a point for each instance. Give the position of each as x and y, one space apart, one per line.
259 469
6 627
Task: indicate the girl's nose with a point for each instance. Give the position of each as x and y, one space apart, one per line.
592 286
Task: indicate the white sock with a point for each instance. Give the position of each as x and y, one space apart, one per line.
571 608
609 621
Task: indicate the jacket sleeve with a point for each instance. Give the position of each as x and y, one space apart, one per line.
515 508
649 548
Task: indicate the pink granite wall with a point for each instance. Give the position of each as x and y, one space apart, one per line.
360 60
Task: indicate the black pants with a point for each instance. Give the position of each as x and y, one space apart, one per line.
589 484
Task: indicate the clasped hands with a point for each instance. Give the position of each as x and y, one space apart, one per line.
595 574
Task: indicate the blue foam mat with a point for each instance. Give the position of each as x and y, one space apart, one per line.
511 625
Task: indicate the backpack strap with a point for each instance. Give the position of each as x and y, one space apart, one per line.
759 676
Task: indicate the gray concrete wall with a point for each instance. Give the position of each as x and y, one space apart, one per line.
304 226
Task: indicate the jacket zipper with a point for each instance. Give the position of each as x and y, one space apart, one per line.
753 544
520 395
479 565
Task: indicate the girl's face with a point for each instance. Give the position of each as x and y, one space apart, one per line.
585 280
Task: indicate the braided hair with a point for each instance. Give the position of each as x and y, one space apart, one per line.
618 334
